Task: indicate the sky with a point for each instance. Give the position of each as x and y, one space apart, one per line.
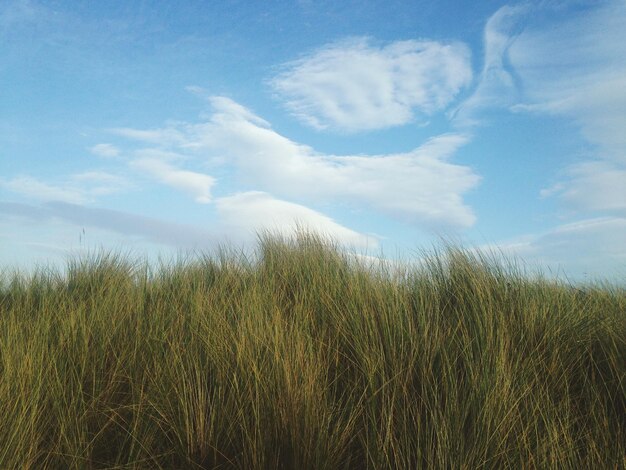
158 127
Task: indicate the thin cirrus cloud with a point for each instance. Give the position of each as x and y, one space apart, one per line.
598 243
80 188
197 185
167 136
105 150
36 189
354 85
124 223
241 217
592 186
101 183
496 86
420 186
576 69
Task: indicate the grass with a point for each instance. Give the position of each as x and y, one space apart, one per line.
305 359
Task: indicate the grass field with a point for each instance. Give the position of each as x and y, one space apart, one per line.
305 359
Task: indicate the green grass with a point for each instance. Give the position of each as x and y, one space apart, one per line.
305 359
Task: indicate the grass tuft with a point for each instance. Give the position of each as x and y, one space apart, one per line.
304 358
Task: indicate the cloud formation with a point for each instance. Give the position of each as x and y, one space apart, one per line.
592 186
496 86
574 69
577 70
598 244
125 223
255 211
80 188
241 217
105 150
33 188
198 185
100 183
355 85
420 186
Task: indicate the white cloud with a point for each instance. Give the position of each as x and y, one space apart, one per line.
100 183
159 154
496 86
585 250
165 136
198 185
80 188
35 189
420 186
131 227
355 86
105 150
594 186
256 211
577 69
242 216
95 176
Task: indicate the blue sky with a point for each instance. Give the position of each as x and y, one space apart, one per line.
158 127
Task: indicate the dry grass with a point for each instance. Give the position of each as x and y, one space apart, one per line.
306 360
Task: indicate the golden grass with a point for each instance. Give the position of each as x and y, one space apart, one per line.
305 359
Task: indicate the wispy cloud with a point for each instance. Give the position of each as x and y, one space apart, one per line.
80 188
355 85
496 86
241 217
586 249
159 162
100 183
33 188
420 186
125 223
165 136
577 69
254 211
105 150
592 186
198 185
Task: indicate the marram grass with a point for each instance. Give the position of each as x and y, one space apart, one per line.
304 359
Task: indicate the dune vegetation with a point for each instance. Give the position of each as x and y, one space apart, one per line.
304 358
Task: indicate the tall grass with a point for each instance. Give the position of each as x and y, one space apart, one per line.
305 359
